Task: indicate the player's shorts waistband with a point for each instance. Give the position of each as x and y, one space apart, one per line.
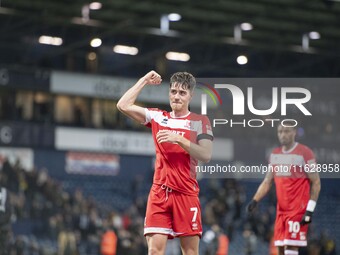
174 190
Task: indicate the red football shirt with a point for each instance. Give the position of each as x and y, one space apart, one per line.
174 167
291 180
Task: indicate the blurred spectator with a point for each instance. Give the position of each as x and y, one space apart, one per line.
250 240
108 245
223 241
67 244
209 244
273 250
327 244
5 217
10 175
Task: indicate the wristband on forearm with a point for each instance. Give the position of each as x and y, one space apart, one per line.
311 206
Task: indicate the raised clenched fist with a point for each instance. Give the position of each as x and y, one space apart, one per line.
153 78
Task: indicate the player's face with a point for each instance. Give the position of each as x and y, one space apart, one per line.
179 97
286 135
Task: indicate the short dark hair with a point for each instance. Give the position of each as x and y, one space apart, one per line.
186 80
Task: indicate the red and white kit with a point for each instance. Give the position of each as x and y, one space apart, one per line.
173 206
293 193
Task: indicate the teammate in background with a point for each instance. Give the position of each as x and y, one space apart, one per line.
181 139
297 191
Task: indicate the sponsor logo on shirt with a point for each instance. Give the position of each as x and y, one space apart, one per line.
182 133
165 121
178 132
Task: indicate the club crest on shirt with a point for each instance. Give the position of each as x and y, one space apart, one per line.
187 124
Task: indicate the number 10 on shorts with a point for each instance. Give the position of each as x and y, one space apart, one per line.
294 226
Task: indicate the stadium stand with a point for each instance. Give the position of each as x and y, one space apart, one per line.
45 208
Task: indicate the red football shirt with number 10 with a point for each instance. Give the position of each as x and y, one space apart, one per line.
292 183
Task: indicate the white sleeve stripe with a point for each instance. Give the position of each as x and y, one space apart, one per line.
150 114
147 116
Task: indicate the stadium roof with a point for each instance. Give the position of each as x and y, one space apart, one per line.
210 32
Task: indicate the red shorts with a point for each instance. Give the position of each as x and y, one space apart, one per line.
288 230
172 213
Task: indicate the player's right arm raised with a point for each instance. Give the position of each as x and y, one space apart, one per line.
127 105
